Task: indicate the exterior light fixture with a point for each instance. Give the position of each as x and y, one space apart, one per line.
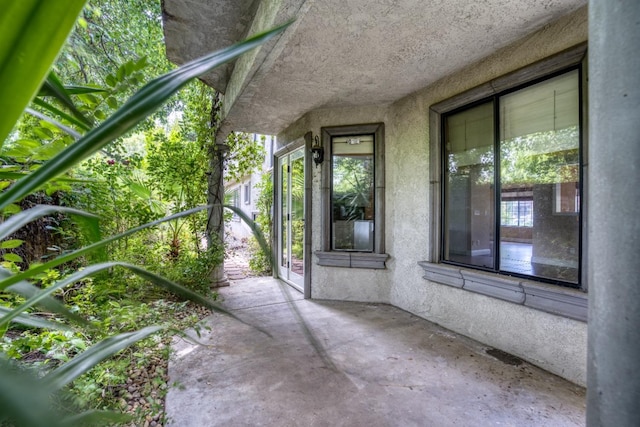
317 152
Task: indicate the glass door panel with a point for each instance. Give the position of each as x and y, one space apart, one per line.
291 218
297 213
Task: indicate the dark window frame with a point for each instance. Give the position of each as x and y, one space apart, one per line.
559 300
354 259
333 193
494 100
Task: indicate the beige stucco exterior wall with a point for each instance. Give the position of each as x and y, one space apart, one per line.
349 284
554 343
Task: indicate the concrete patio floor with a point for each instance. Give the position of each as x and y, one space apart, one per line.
331 363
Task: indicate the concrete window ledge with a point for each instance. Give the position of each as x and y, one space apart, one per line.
552 299
352 259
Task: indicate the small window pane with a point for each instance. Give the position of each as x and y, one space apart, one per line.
352 196
247 193
235 202
516 213
469 192
540 184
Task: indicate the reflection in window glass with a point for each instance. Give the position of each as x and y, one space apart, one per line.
516 213
297 212
539 187
469 194
352 193
539 154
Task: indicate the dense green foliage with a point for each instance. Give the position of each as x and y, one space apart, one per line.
65 311
260 261
245 155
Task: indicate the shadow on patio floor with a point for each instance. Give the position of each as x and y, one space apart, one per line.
331 363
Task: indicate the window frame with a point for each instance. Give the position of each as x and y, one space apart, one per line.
247 193
354 259
528 291
518 215
235 202
333 229
493 99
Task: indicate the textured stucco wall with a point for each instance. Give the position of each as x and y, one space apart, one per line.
554 343
350 284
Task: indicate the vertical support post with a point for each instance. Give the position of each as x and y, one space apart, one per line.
215 196
613 220
215 221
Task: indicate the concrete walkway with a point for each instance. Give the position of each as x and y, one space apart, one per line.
351 364
237 268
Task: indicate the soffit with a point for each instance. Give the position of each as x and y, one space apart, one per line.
342 53
194 28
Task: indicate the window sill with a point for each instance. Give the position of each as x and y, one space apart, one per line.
552 299
352 260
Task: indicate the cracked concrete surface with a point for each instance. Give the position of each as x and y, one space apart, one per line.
330 363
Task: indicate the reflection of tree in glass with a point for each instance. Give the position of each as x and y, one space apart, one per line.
353 186
461 162
538 158
297 208
297 187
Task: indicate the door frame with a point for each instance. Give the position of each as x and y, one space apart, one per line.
285 202
305 144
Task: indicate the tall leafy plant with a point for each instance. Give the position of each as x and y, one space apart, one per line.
33 32
178 167
260 259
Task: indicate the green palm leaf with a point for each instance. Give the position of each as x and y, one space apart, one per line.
54 122
255 229
33 321
88 221
33 271
137 108
32 33
86 360
177 289
24 401
61 114
54 86
28 290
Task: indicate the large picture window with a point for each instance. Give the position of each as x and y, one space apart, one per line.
511 182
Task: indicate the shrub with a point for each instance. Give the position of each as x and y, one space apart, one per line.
35 31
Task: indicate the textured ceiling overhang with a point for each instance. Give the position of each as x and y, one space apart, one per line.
341 53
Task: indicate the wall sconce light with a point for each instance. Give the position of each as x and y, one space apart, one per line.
317 152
